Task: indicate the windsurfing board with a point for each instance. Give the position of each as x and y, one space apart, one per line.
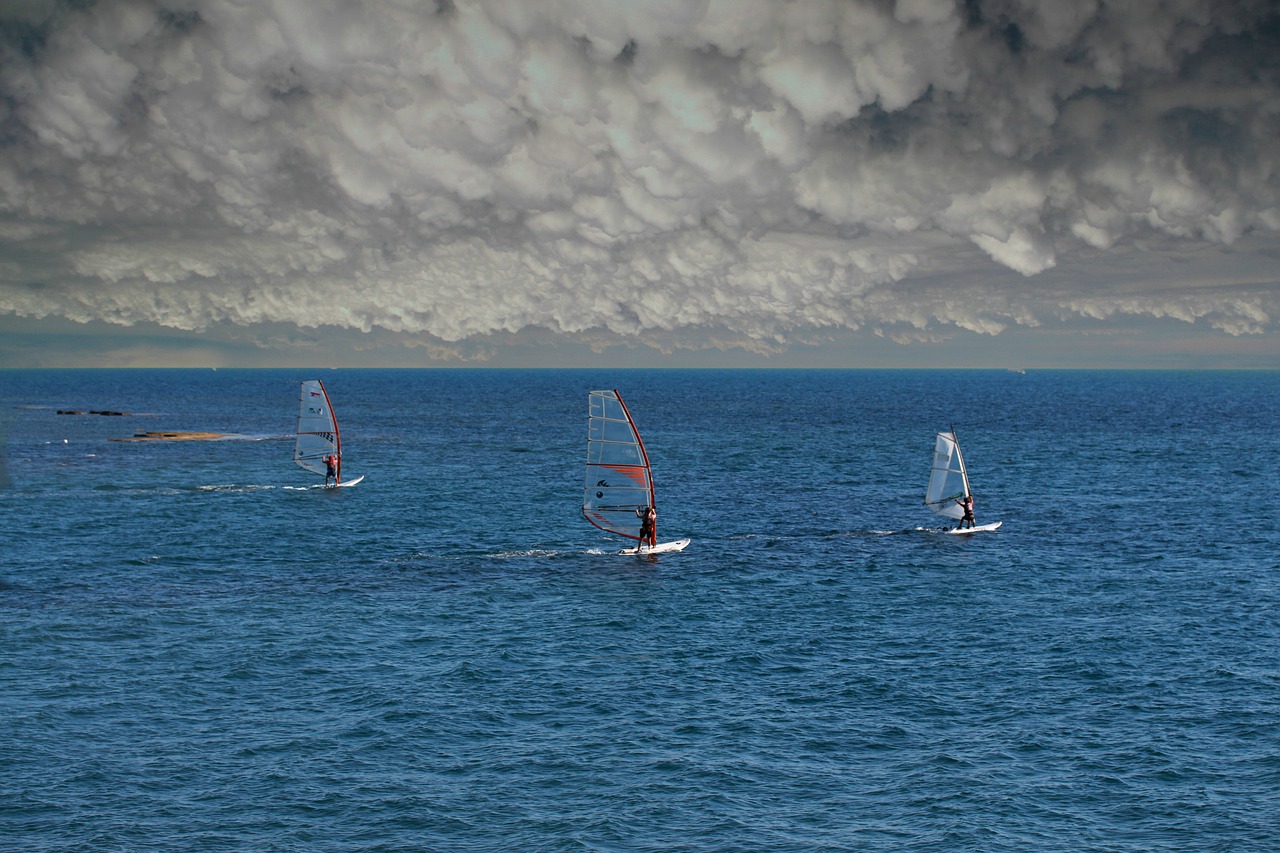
980 529
660 548
342 485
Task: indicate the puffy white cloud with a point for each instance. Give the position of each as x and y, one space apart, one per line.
686 174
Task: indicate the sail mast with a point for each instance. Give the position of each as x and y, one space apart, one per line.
337 435
964 471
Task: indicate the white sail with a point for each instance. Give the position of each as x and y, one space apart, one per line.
948 479
318 436
619 480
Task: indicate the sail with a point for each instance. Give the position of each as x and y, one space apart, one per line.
618 477
948 480
317 429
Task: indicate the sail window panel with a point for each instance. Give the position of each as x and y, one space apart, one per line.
614 410
605 453
943 452
605 405
951 510
622 523
619 431
612 443
602 430
630 498
616 431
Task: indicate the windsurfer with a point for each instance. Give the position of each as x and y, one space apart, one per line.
966 503
648 525
331 469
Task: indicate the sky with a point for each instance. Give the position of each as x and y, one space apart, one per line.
718 183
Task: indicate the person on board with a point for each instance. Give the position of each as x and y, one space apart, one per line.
648 525
331 469
966 503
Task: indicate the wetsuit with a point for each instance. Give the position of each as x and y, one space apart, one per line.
648 525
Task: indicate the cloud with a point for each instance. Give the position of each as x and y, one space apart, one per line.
726 173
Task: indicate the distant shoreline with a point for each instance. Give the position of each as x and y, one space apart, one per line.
173 436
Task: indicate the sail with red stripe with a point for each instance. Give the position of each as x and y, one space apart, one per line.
318 435
619 481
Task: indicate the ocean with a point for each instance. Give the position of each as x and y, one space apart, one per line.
200 653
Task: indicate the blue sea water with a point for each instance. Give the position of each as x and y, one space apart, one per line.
196 654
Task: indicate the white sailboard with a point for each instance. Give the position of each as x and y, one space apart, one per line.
981 528
318 435
619 482
949 483
345 484
660 548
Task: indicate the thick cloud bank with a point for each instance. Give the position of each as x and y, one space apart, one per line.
686 172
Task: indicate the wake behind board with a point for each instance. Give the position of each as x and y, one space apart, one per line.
980 529
660 548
